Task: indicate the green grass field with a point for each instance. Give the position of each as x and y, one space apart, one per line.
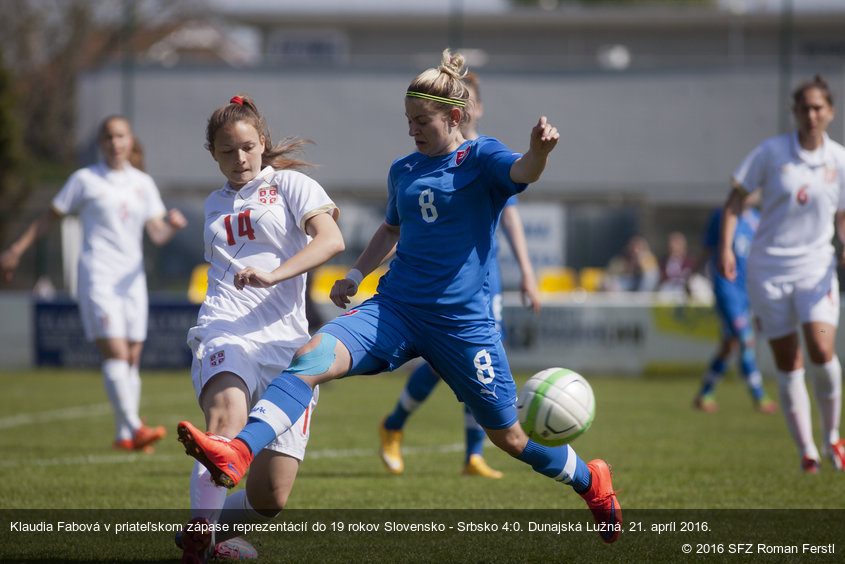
670 462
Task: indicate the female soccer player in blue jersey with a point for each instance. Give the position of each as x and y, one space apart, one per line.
444 201
423 379
734 312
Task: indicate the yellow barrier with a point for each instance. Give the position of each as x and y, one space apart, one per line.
198 285
560 279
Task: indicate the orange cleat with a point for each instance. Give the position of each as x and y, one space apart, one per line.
706 403
766 405
127 444
809 465
836 454
227 461
601 499
196 541
145 436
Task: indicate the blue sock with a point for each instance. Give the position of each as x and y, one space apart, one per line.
420 384
713 376
559 463
748 364
284 401
475 435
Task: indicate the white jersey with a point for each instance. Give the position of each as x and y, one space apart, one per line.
113 206
261 225
801 192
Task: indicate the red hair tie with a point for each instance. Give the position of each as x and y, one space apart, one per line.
237 100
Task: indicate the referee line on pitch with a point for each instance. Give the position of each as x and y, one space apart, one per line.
132 457
78 412
66 413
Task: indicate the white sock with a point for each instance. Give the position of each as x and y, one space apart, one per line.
795 402
135 387
827 385
207 498
238 509
407 402
118 390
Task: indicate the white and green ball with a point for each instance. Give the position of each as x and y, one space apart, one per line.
555 406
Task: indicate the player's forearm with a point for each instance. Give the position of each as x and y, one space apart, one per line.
730 215
380 248
34 231
515 234
314 254
839 223
529 167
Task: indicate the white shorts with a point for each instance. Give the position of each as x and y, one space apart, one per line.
782 303
219 352
106 314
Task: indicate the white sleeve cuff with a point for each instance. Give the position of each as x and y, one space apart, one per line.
355 275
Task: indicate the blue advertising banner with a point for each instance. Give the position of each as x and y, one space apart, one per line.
60 339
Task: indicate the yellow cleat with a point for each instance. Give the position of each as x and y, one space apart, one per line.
477 466
391 449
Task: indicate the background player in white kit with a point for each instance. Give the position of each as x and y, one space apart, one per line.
115 203
264 229
792 275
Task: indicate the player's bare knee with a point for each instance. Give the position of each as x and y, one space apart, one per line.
512 440
820 355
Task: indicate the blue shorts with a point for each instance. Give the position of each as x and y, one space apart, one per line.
734 311
382 334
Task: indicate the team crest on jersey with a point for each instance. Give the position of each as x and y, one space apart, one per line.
829 174
267 195
461 155
803 196
217 358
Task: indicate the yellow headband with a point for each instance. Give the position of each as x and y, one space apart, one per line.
433 98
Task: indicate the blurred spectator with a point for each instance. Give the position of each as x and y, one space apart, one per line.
676 267
634 270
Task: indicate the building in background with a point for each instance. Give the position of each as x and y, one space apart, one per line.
656 104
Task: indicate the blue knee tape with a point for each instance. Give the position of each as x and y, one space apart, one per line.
317 361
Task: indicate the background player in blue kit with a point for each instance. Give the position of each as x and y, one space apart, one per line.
733 310
423 379
444 202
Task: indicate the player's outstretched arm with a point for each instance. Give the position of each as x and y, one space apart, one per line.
529 167
379 249
326 242
730 217
10 258
162 229
839 222
515 232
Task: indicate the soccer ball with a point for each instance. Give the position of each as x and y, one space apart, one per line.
555 406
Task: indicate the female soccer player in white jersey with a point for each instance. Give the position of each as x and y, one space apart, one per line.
115 203
444 201
264 229
791 268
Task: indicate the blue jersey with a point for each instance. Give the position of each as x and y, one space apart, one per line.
448 208
746 226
